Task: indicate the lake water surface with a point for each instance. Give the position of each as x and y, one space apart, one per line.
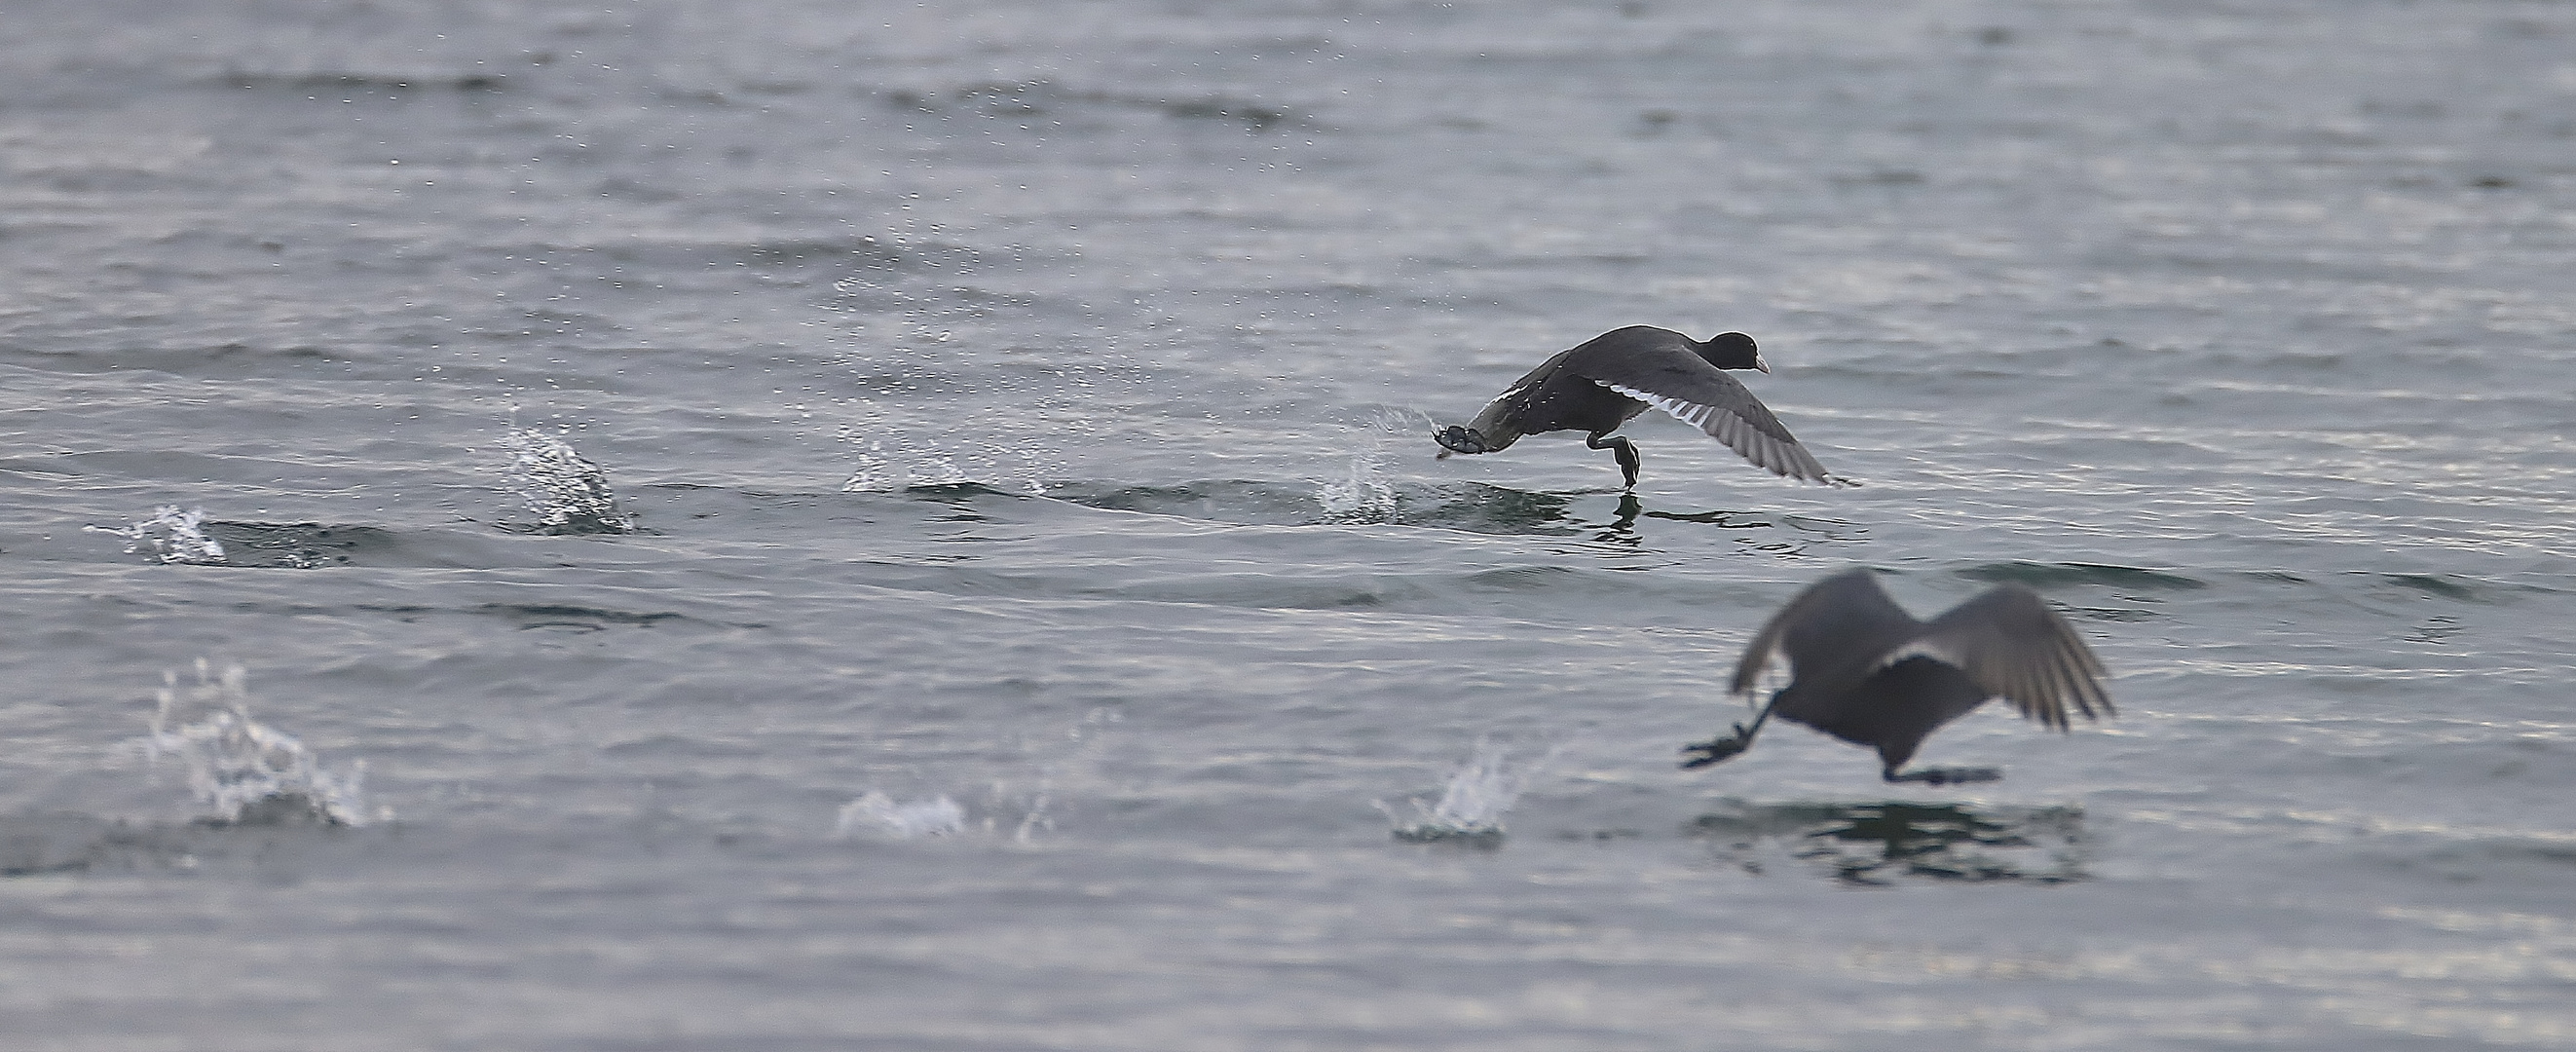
1043 610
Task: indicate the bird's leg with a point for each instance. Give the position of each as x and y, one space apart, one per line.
1621 448
1717 749
1942 775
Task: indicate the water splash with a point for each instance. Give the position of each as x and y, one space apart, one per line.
567 493
169 536
905 819
1013 807
890 461
1363 495
1472 805
247 772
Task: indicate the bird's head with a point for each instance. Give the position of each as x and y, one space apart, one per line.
1733 350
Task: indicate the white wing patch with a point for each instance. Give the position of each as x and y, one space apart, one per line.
1922 648
1680 410
1783 458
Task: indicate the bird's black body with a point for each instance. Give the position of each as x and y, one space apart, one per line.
1865 671
1610 379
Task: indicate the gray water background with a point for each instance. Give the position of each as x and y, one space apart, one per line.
1025 404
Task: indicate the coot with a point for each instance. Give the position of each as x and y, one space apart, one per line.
1865 671
1609 379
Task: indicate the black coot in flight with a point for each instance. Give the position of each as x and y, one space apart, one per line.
1865 671
1611 378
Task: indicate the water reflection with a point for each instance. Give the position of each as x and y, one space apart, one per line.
1879 844
1471 507
1792 534
1365 496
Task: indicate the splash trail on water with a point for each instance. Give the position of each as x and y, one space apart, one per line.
169 536
247 772
1472 805
905 819
566 492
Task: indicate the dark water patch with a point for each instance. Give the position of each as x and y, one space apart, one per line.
2432 585
2116 614
1479 508
853 255
356 83
956 577
1504 593
277 810
964 497
2243 359
2061 575
2513 860
2413 598
34 471
47 844
222 361
1238 501
1878 177
576 525
535 616
1253 115
1026 98
299 546
858 254
1272 592
749 511
1880 844
585 618
1471 507
310 546
1051 103
1474 840
680 747
914 380
1467 507
1522 578
68 843
1769 531
684 503
1757 531
2435 630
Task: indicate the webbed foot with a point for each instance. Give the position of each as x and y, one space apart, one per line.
1717 749
1459 439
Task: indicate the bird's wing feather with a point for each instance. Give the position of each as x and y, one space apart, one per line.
1498 419
1823 629
1743 423
2014 646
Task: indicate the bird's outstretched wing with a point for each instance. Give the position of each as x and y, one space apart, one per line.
2014 646
1659 368
1827 632
1726 411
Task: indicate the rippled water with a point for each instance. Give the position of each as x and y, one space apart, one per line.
914 527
